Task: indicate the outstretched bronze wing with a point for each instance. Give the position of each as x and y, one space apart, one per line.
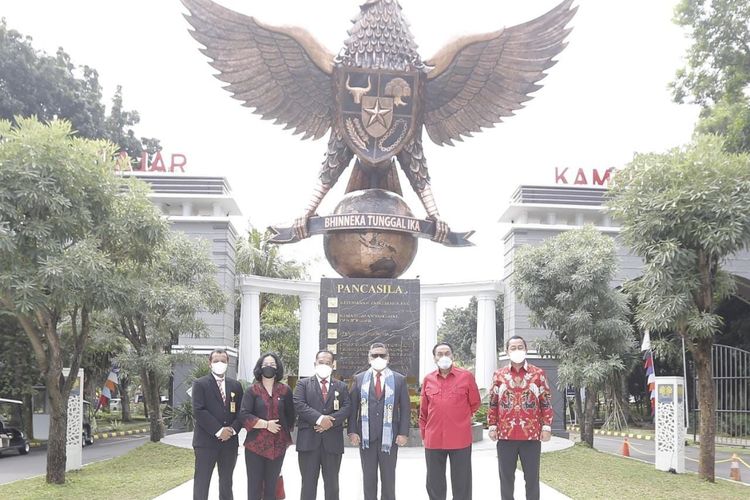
478 80
284 73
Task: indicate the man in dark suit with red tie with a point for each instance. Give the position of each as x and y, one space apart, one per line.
216 406
379 422
322 405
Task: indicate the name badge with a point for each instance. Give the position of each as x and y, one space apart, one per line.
232 407
335 405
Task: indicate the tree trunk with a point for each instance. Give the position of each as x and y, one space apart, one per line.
625 399
150 383
144 401
58 423
588 417
28 416
579 410
701 351
125 399
89 388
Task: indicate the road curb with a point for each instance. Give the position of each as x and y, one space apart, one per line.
102 436
632 435
110 435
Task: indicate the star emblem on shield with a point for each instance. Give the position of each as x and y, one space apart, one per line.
377 110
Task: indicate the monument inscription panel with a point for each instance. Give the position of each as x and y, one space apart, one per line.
355 313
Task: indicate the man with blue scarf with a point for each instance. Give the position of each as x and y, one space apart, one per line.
379 422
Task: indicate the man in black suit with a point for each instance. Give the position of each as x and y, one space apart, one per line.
216 406
379 422
322 405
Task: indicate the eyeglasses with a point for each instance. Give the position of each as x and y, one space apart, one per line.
378 355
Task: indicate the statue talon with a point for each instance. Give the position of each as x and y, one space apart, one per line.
441 230
300 227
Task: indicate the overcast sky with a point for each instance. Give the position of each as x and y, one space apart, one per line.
606 99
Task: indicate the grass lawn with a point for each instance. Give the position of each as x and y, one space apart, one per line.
144 473
581 472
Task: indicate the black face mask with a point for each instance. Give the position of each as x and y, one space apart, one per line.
268 371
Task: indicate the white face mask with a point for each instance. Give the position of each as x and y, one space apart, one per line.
378 364
444 363
219 368
323 371
517 357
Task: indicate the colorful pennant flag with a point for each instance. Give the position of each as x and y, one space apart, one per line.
109 387
649 366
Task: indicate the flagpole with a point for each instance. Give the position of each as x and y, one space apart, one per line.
684 381
649 364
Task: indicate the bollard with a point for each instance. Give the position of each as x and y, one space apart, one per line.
625 448
734 469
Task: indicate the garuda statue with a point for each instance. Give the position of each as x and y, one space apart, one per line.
378 94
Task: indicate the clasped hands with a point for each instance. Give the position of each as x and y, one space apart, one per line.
226 433
325 424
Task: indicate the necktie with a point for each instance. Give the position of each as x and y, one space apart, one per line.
221 390
378 389
324 388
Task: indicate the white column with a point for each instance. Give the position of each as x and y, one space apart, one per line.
249 348
427 334
187 209
486 362
670 424
309 333
73 438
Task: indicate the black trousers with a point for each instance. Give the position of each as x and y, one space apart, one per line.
374 458
225 456
437 488
262 475
311 463
508 452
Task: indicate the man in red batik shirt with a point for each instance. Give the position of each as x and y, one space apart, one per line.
520 418
449 399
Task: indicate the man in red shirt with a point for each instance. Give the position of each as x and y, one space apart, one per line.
449 399
520 418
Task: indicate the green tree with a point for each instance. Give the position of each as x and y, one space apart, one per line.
33 83
165 297
565 282
685 212
63 225
717 73
256 255
98 356
18 371
279 322
279 333
459 328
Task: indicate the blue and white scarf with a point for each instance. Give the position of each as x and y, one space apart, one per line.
364 398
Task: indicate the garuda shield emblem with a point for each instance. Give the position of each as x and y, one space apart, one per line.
377 110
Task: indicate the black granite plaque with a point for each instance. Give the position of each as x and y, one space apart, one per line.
355 313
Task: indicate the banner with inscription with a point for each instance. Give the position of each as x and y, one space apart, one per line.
355 313
422 228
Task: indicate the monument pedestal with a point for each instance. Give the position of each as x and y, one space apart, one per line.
357 312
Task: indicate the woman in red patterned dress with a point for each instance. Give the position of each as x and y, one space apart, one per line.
268 415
